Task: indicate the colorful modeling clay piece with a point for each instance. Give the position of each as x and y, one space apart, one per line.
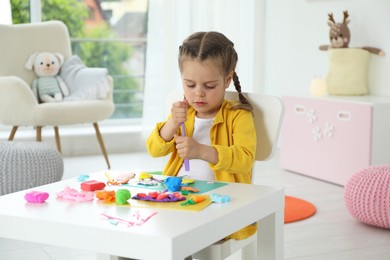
147 179
72 194
194 200
144 175
160 196
107 196
92 185
190 189
125 177
122 178
173 183
122 196
36 196
218 198
83 177
185 181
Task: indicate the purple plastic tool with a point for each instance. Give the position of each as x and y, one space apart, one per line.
186 161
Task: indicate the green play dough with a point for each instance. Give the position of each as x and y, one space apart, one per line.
122 196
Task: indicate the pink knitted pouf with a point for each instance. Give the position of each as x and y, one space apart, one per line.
367 196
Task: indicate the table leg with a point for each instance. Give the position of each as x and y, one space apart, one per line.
270 238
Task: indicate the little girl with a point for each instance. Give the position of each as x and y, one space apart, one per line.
221 139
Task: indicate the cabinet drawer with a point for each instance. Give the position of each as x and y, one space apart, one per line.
326 139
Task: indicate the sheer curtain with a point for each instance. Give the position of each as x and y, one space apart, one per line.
171 21
5 12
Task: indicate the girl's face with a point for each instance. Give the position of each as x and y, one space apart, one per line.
204 85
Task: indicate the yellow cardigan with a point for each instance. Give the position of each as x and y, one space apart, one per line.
232 134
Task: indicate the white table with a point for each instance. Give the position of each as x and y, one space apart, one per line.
169 235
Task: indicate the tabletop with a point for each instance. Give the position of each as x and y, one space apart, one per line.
169 234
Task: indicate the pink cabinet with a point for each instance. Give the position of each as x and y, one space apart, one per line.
332 138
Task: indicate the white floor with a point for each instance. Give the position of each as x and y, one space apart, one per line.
331 234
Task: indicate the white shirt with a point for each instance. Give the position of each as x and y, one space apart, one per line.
199 169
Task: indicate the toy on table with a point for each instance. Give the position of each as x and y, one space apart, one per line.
122 196
122 178
173 183
186 190
160 196
92 185
48 86
83 177
106 196
186 181
74 195
194 200
36 196
218 198
147 179
144 175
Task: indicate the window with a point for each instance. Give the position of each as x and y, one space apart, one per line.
104 33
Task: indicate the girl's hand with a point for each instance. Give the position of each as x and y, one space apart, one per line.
179 112
179 115
188 148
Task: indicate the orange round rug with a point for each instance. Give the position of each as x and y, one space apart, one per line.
297 209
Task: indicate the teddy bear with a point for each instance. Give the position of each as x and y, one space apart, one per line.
48 86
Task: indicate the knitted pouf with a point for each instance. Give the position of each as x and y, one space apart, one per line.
25 165
367 196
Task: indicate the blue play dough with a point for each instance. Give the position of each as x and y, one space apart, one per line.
173 183
218 198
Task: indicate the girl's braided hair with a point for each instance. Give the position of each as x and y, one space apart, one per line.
206 45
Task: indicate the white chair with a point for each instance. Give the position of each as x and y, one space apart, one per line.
268 113
18 106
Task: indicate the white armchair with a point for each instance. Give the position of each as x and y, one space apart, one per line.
18 106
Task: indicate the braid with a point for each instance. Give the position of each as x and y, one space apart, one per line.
214 45
244 103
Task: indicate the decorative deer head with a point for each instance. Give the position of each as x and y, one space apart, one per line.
339 32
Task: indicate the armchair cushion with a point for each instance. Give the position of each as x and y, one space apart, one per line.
84 83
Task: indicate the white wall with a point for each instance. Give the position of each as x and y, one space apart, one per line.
287 61
295 29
